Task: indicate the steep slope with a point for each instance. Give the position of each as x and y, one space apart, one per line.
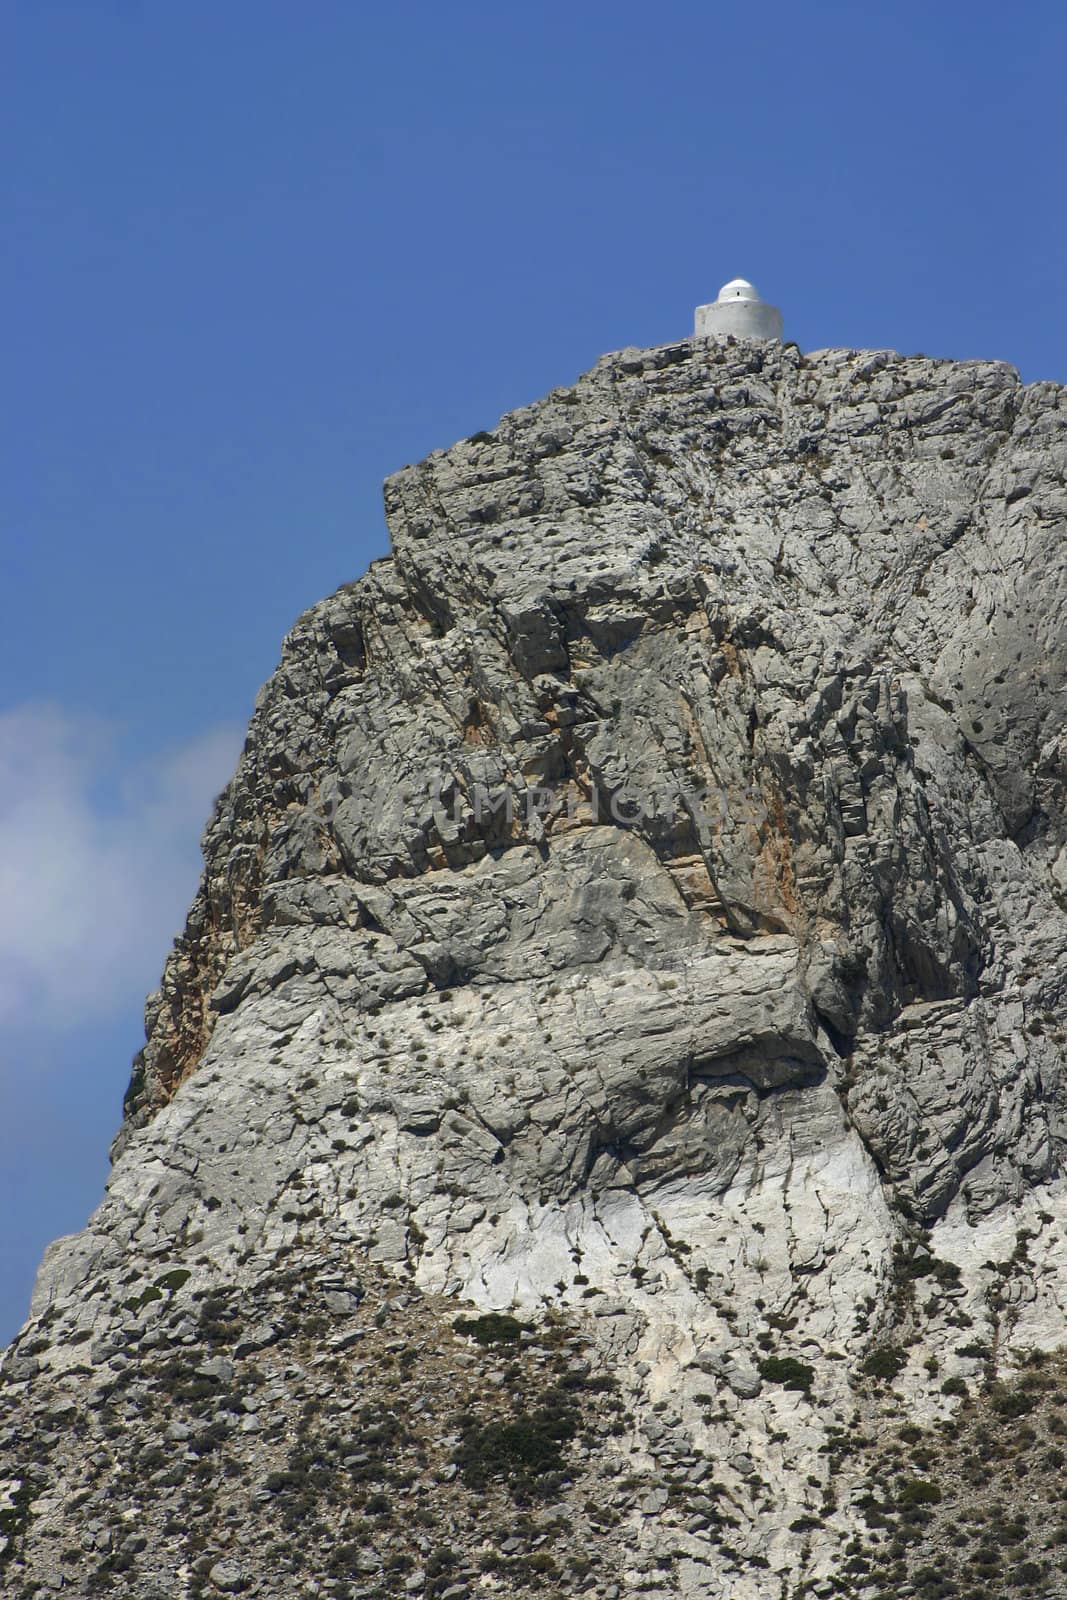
640 907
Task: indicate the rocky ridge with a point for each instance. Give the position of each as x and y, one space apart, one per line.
641 909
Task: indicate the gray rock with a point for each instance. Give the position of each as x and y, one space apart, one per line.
216 1367
227 1577
340 1303
643 894
346 1340
744 1380
259 1337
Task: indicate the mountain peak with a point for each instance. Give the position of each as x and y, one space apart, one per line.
638 919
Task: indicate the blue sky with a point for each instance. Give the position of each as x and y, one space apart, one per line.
259 255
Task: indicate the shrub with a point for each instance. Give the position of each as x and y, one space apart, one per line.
494 1327
441 1559
789 1372
918 1492
1012 1402
174 1279
15 1516
138 1302
527 1448
885 1362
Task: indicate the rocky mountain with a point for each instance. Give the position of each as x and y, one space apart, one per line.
602 1128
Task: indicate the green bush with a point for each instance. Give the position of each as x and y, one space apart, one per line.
14 1519
493 1327
523 1450
138 1302
917 1492
885 1362
174 1279
789 1372
1012 1402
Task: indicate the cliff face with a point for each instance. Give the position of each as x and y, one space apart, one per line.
640 907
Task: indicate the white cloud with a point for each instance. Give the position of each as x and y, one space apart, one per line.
99 860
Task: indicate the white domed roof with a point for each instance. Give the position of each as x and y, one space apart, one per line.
739 289
738 313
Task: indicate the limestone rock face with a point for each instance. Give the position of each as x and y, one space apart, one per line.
641 901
